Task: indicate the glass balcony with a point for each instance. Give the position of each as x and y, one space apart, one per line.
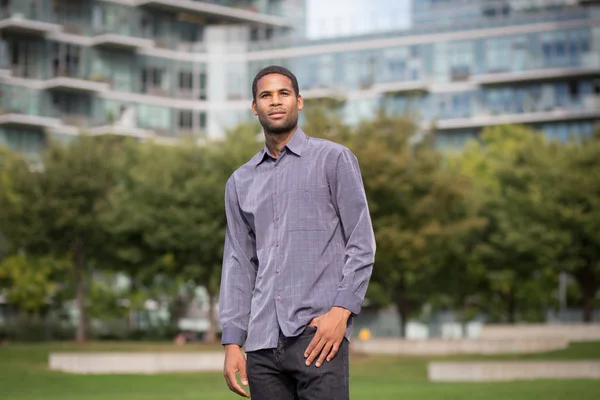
214 12
28 17
30 121
486 115
541 74
75 83
121 42
575 13
18 24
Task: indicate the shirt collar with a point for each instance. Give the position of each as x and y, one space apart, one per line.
295 145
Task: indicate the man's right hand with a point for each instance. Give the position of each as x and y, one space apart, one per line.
235 363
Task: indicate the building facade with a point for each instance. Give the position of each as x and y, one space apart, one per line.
167 69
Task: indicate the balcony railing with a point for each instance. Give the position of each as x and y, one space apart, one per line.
74 82
575 13
217 11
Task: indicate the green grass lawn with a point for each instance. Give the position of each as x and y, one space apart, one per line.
24 376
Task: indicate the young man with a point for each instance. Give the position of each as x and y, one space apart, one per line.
298 256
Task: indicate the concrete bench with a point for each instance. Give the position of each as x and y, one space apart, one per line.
572 332
458 346
512 370
136 362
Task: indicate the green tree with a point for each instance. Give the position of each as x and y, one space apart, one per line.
169 219
417 208
30 283
504 256
52 209
556 199
541 202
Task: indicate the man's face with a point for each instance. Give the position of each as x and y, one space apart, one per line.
276 104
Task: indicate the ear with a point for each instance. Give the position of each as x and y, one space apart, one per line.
254 110
300 102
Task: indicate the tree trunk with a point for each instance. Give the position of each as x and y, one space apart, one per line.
79 265
402 303
211 335
511 303
132 314
588 308
132 320
588 285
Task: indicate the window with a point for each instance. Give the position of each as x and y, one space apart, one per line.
584 41
560 48
414 51
185 119
202 120
65 59
150 26
202 85
258 34
4 8
155 117
596 87
185 81
574 89
269 33
151 78
190 32
69 13
461 54
498 54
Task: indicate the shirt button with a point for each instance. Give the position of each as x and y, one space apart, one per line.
277 167
276 191
277 217
277 244
277 297
277 271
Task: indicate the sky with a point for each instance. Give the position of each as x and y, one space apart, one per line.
326 18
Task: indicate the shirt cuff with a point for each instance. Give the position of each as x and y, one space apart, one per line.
347 299
233 335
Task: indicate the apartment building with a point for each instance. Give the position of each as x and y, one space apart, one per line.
143 68
167 69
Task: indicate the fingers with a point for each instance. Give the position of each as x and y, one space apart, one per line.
233 364
324 353
230 377
334 350
314 350
243 375
313 343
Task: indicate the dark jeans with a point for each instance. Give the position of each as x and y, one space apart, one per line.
281 373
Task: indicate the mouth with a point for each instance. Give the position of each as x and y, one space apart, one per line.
276 114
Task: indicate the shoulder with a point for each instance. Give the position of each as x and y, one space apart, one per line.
327 148
244 171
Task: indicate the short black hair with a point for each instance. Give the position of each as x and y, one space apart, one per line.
274 69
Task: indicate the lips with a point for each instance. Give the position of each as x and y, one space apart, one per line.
277 114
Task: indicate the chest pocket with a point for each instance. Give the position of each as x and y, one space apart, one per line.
308 208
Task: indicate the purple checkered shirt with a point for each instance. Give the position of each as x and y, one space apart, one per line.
299 240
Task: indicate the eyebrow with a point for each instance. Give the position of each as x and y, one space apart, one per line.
270 91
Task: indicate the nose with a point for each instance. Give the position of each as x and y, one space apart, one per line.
275 100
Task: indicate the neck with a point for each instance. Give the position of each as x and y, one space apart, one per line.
275 142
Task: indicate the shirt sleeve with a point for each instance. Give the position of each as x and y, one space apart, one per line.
239 271
349 197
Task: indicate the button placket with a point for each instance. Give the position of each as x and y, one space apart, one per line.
276 217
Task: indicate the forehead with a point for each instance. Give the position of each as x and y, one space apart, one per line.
273 81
